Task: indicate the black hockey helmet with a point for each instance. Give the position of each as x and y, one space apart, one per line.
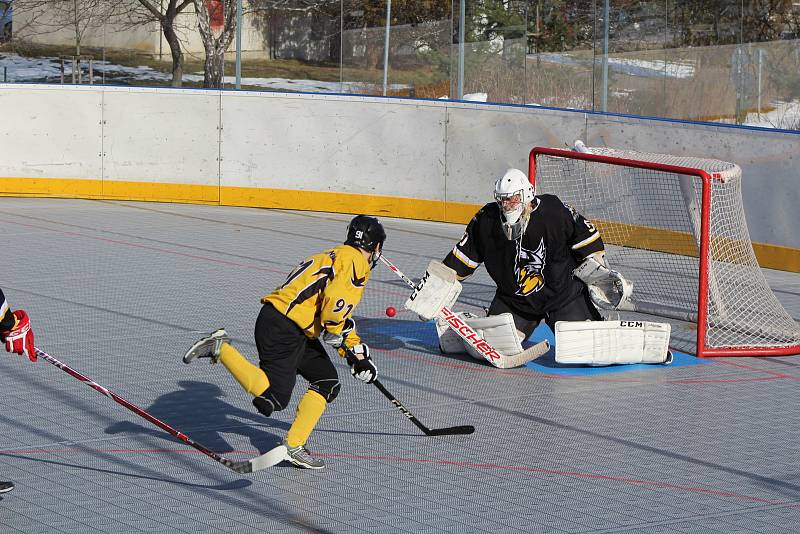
365 232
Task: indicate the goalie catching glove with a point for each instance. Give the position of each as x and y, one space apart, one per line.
20 338
608 289
363 369
438 289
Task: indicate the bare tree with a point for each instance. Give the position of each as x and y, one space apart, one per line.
5 26
164 13
79 16
83 15
217 24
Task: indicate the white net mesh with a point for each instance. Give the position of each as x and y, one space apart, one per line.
651 220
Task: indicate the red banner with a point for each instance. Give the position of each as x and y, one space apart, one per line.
216 15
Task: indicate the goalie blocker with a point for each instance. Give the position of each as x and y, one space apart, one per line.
612 342
439 288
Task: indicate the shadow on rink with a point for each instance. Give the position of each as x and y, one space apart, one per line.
197 407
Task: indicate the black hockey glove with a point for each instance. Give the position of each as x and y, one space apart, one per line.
365 369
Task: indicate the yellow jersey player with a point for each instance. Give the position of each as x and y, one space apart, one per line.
16 333
314 305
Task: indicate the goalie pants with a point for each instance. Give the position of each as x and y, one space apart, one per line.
284 352
578 309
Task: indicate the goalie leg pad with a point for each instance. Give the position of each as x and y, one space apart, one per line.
497 330
612 342
449 341
438 289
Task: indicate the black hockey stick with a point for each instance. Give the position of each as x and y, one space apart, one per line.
449 431
267 459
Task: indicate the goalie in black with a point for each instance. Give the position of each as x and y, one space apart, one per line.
548 263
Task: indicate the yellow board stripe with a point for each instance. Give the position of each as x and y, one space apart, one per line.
769 256
683 243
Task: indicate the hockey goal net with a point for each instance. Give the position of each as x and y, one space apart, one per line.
675 227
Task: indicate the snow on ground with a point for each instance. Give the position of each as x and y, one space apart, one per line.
652 68
633 67
15 68
785 115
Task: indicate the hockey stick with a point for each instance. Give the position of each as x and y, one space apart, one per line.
468 334
268 459
449 431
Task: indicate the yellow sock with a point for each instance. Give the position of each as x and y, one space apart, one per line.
308 413
250 377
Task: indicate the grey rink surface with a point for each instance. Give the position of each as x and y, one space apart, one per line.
118 290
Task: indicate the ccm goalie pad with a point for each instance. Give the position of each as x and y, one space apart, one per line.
612 342
608 289
438 289
498 331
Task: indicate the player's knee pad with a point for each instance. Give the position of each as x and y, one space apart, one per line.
266 403
328 388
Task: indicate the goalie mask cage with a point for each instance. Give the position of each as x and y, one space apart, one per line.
675 227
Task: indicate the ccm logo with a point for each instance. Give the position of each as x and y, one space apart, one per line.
419 287
632 324
470 335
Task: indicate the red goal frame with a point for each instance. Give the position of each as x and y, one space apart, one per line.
706 179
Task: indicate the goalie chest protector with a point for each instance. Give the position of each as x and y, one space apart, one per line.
534 273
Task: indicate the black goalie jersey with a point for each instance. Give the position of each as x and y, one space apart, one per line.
533 274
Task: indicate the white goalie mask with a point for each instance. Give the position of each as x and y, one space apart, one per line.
514 194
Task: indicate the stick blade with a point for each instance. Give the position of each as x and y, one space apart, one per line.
270 458
528 355
452 431
240 467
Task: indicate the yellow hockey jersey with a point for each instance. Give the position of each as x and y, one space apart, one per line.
323 291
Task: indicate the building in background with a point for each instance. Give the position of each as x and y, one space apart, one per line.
112 30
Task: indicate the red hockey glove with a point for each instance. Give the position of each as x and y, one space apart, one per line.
20 338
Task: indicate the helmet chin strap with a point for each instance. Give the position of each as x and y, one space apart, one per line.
374 257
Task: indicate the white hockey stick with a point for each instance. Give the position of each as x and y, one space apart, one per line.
527 355
272 457
268 459
468 334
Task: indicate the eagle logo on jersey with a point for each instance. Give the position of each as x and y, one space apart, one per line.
530 269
